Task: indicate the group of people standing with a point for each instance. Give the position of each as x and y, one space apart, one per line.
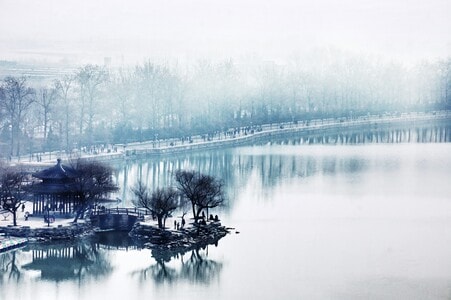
203 221
177 225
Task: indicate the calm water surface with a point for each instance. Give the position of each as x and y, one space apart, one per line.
315 222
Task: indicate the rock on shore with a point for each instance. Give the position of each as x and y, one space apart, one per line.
48 233
168 243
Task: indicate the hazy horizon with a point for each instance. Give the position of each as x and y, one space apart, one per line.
131 31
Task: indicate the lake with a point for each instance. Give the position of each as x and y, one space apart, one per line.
310 222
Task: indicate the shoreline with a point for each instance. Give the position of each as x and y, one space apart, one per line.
8 243
164 243
43 233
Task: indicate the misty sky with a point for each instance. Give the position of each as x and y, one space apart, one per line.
136 29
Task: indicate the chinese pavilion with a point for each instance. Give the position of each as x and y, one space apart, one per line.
54 192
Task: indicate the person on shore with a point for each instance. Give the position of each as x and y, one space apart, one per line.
23 207
175 224
183 222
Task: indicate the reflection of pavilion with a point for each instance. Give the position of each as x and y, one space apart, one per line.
55 192
60 263
74 260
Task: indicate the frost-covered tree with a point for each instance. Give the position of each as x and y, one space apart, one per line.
17 98
203 191
13 190
160 203
93 181
90 79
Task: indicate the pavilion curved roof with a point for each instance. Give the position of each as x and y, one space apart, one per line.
59 171
51 188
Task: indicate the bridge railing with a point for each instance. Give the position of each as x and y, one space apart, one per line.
134 211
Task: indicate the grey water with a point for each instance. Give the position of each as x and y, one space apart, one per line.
311 222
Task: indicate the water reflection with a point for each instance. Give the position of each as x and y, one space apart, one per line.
194 267
199 269
90 259
160 272
10 270
61 261
238 166
68 261
118 240
352 223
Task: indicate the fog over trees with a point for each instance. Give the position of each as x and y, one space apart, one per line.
104 105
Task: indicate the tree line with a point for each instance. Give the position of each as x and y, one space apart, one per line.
99 105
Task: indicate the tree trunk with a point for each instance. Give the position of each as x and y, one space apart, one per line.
18 147
14 218
67 130
194 212
12 142
76 217
79 213
45 127
160 221
199 211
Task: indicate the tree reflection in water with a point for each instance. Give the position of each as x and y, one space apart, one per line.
159 272
76 260
198 268
89 259
9 268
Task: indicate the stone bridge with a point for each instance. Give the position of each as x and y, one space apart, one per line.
119 219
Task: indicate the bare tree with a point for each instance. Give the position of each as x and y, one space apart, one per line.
46 100
63 88
90 78
13 190
93 182
121 92
18 98
161 202
444 80
3 116
203 191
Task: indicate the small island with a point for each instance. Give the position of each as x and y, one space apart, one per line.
167 243
202 192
